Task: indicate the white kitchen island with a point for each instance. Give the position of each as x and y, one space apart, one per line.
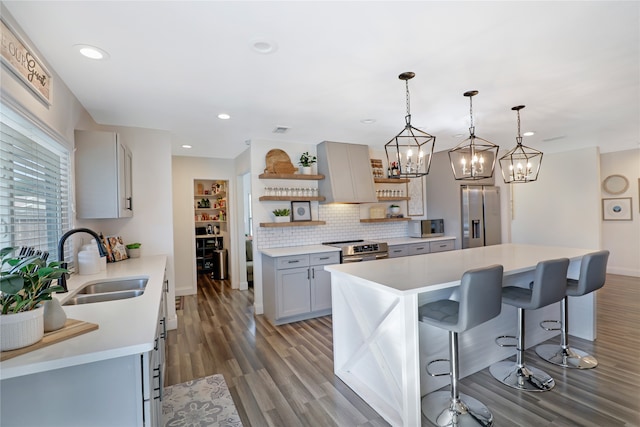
381 349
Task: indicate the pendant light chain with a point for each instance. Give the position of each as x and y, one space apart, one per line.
471 115
408 117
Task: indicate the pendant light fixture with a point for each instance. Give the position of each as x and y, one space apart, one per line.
474 158
409 152
522 163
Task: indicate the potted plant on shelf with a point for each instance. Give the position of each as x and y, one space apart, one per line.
395 209
25 284
133 250
306 161
281 215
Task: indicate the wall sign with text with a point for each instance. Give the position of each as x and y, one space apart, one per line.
21 60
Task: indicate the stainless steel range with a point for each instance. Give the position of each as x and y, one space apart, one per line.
360 250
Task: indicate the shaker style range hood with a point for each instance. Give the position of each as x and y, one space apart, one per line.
347 171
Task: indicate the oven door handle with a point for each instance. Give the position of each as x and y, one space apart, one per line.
382 256
352 259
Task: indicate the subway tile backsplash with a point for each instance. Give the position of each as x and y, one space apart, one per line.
342 223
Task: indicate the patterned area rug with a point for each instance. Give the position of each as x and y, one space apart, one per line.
199 403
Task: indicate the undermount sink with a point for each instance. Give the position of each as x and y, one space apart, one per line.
111 290
108 296
114 286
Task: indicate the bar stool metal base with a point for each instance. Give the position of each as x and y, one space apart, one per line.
441 410
567 357
521 377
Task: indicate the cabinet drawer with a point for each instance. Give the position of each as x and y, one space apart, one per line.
398 251
419 248
325 258
292 261
446 245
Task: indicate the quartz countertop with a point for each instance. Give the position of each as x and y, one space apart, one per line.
428 272
298 250
408 240
126 327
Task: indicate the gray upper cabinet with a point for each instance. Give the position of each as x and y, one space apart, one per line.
347 171
103 169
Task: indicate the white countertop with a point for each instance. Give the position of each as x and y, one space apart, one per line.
298 250
126 326
408 240
428 272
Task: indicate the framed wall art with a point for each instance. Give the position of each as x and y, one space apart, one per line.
301 211
618 209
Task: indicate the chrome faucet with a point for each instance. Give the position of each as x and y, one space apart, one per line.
62 281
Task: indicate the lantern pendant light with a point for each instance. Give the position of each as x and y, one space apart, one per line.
474 158
409 152
522 163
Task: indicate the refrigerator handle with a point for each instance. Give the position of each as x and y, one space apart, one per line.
475 229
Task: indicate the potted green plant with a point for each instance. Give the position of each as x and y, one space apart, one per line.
306 161
281 215
25 284
133 250
395 209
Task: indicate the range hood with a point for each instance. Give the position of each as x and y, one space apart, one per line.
347 171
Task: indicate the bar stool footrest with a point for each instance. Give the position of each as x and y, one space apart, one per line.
549 328
431 374
506 337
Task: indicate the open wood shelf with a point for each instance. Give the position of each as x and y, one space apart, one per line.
291 198
291 224
391 180
392 199
290 176
384 219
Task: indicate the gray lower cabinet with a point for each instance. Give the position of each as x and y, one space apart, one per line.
420 248
297 287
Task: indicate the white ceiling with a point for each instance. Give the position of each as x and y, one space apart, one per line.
176 65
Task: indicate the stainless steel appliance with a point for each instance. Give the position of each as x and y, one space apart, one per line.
426 228
480 216
360 250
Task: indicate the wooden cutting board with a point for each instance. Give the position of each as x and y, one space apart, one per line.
72 328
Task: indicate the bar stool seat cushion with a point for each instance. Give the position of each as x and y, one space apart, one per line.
518 297
441 313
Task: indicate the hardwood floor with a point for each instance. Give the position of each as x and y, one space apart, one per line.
284 376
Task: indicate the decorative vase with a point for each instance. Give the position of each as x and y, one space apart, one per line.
306 170
22 329
54 315
281 219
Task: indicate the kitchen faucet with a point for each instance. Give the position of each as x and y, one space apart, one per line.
62 281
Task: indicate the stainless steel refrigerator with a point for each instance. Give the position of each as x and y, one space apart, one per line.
480 216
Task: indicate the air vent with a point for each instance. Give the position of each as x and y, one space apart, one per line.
554 138
281 129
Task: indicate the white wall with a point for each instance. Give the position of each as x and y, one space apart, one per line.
622 238
184 170
561 208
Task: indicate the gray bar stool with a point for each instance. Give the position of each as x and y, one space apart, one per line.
480 300
549 286
593 273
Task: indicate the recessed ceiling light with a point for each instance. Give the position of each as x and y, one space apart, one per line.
530 133
368 121
224 116
91 52
264 46
186 146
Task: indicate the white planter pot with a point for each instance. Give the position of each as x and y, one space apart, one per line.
305 170
281 219
21 329
134 253
395 211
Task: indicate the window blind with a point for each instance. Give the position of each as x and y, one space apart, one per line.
34 186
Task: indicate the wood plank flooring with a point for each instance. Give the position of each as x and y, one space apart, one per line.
284 376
